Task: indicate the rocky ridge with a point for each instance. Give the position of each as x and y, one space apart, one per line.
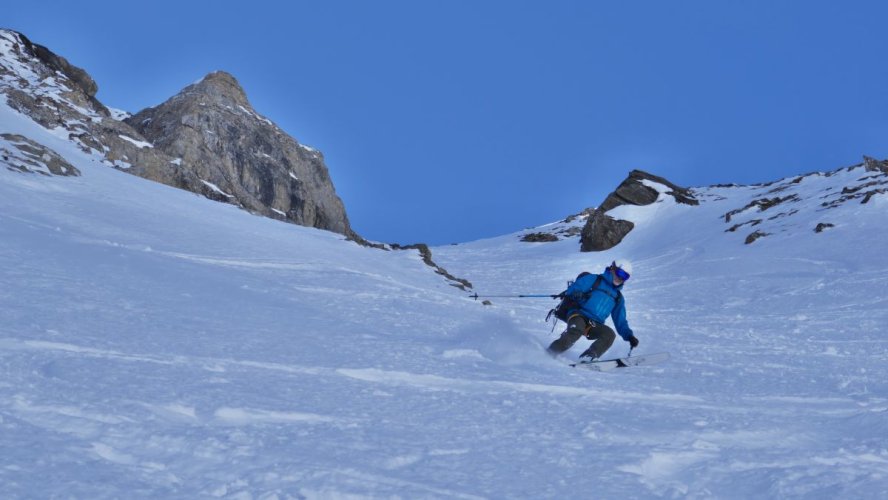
61 97
207 139
769 210
773 207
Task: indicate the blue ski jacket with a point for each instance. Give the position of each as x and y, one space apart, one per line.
605 300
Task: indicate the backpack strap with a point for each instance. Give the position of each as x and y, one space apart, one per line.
597 285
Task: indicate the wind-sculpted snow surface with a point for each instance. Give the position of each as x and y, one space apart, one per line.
155 344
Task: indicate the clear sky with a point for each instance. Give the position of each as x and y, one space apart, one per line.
449 121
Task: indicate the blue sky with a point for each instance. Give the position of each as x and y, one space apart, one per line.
451 121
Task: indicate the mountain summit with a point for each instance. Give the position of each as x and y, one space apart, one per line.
207 139
244 157
221 86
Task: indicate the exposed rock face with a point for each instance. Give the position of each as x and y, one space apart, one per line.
24 155
632 191
874 165
754 236
243 156
603 232
78 76
539 238
207 139
61 97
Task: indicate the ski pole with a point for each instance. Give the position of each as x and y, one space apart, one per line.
522 296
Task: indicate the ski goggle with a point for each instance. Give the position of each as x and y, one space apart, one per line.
623 275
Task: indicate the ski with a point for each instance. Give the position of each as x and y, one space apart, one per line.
603 365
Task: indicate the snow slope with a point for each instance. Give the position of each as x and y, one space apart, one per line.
155 344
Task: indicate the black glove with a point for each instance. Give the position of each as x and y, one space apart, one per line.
633 341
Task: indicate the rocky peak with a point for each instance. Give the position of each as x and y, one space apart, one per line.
207 139
246 158
219 88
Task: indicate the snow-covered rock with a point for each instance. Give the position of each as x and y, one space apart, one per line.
22 154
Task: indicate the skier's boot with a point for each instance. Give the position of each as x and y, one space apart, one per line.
588 355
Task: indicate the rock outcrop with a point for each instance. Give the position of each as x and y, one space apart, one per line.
24 155
539 237
874 165
247 160
603 232
633 191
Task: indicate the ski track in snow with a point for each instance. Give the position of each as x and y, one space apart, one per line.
154 344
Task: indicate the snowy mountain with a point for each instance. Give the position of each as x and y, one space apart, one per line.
207 139
156 344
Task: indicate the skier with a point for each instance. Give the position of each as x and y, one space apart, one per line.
596 297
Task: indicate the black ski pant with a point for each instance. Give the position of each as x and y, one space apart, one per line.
602 336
